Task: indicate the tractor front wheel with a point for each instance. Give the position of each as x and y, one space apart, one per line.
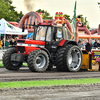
38 60
8 63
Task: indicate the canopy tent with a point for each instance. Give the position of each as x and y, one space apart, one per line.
7 28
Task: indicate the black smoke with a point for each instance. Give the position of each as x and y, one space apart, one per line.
29 4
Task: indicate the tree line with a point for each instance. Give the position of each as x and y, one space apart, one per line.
8 12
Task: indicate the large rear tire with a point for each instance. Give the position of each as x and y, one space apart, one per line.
38 61
60 59
8 64
69 58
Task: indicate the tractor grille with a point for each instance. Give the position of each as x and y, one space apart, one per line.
21 41
21 49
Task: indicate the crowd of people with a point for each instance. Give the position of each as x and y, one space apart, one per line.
7 42
88 45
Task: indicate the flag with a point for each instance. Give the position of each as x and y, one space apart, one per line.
74 21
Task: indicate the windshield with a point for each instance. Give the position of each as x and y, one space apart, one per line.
62 33
49 33
67 33
41 33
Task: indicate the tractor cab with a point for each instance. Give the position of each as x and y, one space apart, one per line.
51 33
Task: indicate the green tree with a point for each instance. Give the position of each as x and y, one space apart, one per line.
8 12
8 1
68 18
84 21
4 9
45 14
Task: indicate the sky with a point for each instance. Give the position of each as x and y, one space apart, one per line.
88 8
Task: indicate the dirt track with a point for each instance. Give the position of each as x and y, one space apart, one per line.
81 92
25 74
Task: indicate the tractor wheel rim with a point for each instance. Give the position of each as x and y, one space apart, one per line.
74 59
40 61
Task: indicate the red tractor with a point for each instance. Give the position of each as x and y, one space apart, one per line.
50 46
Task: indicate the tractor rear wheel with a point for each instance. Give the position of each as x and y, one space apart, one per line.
69 58
73 58
60 59
8 63
38 60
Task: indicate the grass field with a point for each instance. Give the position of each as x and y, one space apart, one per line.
22 84
1 64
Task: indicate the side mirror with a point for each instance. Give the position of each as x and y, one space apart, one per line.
23 28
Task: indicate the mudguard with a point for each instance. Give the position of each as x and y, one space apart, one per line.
65 42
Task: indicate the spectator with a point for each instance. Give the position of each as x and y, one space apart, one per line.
82 44
99 44
1 43
96 44
12 42
7 43
2 36
86 41
10 38
93 42
79 41
88 46
16 38
29 36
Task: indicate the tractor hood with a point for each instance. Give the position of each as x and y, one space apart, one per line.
26 46
29 42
